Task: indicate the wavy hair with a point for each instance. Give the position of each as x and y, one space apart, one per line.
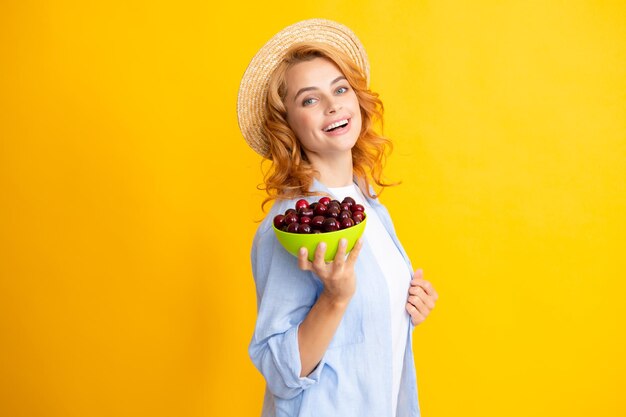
290 173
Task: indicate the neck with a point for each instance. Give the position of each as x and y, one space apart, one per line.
335 171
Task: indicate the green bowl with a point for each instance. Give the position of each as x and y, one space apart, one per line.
292 242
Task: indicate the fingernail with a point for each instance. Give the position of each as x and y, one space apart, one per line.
343 242
322 245
302 251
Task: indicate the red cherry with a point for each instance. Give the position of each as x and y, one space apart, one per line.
279 221
290 218
358 207
320 210
358 215
325 201
332 212
331 225
344 215
317 222
345 206
348 222
290 211
305 220
293 227
305 211
349 200
335 204
304 229
302 203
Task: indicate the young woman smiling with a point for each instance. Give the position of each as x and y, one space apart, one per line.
331 339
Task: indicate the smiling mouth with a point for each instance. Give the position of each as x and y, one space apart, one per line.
337 125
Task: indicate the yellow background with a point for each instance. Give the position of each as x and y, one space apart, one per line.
128 201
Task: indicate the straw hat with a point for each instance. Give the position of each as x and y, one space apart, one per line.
253 88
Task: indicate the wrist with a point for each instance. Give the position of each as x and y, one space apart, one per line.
335 301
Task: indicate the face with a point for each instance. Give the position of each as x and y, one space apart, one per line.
322 109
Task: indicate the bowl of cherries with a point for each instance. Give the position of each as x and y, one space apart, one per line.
326 220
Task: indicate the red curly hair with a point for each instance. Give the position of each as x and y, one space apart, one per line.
290 174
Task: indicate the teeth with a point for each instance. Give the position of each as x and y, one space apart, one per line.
336 124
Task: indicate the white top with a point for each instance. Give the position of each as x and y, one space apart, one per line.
396 274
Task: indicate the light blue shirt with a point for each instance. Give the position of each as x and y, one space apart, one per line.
354 377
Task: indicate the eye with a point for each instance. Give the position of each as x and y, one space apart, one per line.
342 90
308 101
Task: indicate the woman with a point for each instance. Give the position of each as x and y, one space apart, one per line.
331 339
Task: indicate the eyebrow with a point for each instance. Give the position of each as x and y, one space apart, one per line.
305 89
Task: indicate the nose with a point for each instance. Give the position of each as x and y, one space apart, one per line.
333 105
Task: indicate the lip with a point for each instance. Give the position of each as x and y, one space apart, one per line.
339 131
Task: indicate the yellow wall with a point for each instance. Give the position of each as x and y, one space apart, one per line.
128 200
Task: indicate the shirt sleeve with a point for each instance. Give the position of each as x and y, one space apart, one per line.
285 295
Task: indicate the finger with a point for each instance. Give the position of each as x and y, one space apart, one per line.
417 302
434 295
418 275
354 253
421 305
422 283
415 290
429 300
340 256
421 294
416 317
303 261
318 261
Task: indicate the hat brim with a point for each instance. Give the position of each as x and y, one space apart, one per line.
255 81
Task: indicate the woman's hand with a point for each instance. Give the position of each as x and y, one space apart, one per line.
318 328
422 298
337 276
